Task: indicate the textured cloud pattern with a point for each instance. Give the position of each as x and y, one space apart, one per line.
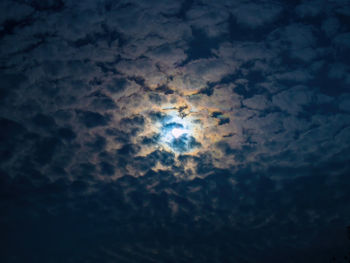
89 94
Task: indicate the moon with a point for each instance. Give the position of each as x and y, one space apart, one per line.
177 132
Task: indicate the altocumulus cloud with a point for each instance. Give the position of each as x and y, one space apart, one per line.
91 90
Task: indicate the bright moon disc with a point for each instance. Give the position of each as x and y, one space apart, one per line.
176 132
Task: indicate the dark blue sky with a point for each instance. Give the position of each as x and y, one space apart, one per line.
92 170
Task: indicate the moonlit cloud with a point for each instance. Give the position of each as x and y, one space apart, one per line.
174 131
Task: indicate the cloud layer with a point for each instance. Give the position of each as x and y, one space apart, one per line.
89 90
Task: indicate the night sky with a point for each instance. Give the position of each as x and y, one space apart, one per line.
172 131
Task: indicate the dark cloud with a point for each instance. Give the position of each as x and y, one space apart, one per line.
246 13
107 168
46 5
221 118
44 121
128 149
92 119
136 120
45 149
102 102
66 133
97 144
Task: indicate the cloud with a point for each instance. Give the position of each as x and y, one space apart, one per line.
255 15
309 8
331 26
292 100
345 103
92 119
342 40
14 12
90 90
258 102
212 70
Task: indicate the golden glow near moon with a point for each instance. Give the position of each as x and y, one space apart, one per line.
183 125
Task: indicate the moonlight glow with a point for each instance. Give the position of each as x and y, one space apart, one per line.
176 132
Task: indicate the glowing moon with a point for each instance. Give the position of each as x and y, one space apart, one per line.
176 132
